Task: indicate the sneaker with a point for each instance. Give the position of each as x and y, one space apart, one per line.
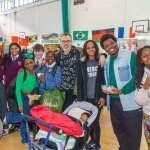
91 144
5 132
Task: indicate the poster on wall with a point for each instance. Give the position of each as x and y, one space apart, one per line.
6 47
50 38
76 2
51 47
33 38
80 35
97 34
128 44
22 35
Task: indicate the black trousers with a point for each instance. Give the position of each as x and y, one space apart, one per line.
69 99
127 125
95 132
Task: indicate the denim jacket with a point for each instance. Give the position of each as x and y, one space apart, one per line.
123 76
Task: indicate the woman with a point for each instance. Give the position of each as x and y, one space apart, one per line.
142 94
12 64
90 79
25 87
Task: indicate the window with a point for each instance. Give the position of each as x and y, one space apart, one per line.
21 2
30 1
3 6
9 5
6 5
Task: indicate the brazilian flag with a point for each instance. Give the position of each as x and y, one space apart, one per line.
80 35
33 38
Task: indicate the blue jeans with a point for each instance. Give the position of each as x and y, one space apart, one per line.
26 111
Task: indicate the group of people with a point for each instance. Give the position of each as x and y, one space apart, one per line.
127 72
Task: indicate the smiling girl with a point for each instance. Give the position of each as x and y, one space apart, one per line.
142 94
90 79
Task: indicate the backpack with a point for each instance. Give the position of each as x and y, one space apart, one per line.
11 90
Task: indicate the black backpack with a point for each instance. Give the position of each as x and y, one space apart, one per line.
11 90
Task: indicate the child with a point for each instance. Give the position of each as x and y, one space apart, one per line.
90 79
84 117
38 51
51 74
25 87
142 94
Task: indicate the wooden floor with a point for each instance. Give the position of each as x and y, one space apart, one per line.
108 140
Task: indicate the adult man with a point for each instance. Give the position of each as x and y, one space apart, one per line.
120 72
68 58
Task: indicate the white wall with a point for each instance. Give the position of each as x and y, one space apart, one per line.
44 19
93 15
103 14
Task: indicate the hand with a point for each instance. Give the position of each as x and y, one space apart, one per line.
102 60
146 85
106 92
42 63
116 92
21 109
101 102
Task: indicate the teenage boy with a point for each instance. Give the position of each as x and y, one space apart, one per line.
120 72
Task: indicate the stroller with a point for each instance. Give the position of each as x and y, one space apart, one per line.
79 143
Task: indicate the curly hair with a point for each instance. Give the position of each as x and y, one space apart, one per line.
106 37
140 67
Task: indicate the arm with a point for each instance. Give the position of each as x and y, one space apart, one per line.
142 96
100 82
80 83
19 82
130 86
57 78
102 59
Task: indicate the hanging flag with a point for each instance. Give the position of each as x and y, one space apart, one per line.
33 38
131 34
97 34
15 39
1 39
80 35
24 42
120 32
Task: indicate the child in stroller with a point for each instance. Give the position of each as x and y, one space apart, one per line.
75 110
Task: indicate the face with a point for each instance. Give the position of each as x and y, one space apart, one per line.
29 64
14 50
145 57
83 118
66 42
50 58
111 47
90 48
38 54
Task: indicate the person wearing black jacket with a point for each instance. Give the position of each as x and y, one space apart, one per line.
89 81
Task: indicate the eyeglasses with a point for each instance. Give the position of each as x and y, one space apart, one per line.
68 41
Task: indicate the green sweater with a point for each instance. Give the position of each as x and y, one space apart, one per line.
29 84
130 86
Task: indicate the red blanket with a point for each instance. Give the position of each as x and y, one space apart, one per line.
58 120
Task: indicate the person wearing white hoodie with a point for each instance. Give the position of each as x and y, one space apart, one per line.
142 94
